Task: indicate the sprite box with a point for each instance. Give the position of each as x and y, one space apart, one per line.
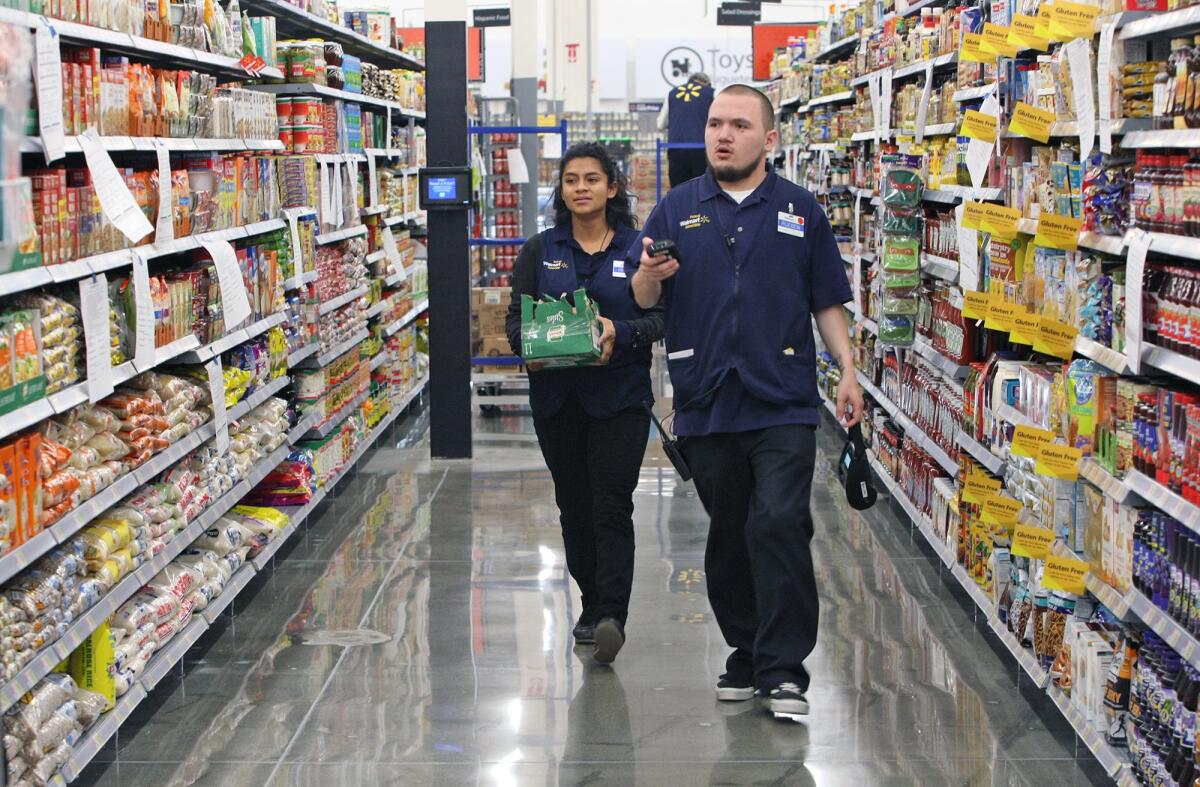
559 332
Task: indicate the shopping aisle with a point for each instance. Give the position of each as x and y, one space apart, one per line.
418 632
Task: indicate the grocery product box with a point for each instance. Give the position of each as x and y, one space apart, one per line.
495 347
489 308
563 332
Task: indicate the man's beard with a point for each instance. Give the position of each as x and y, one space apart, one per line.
728 173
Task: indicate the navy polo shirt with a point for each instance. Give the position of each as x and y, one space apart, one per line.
739 333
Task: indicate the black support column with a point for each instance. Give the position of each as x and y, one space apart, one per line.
449 254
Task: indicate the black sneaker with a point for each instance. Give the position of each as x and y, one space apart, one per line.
610 636
584 633
732 690
787 699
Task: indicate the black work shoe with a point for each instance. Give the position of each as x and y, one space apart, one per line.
731 690
787 699
584 633
610 636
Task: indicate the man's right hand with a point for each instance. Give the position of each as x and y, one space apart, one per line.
658 268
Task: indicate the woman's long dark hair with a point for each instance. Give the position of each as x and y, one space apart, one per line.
618 211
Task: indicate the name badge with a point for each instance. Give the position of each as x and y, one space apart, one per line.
790 224
618 269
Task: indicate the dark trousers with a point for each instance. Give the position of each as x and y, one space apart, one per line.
683 165
755 487
595 465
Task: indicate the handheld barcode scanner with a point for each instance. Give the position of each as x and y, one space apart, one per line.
667 247
671 446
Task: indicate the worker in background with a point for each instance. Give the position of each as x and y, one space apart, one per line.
683 116
591 422
757 260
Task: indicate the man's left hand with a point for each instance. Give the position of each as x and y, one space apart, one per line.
608 340
849 399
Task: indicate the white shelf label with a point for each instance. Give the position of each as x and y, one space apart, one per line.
48 77
235 303
143 355
118 204
94 311
1079 54
164 229
216 389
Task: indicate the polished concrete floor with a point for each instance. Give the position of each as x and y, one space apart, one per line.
418 632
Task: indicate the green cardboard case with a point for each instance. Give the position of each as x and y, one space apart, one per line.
558 333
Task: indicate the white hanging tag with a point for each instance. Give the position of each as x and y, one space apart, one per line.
118 204
1079 54
326 196
922 109
1138 243
293 219
48 77
143 354
235 303
1104 85
372 181
979 153
968 253
216 390
164 229
97 337
886 98
391 251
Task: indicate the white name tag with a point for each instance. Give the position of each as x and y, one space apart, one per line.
681 354
790 224
618 269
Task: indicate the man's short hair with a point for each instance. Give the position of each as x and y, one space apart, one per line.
700 78
768 109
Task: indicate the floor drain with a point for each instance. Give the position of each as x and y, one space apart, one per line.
346 638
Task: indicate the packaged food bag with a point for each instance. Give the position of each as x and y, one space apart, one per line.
563 332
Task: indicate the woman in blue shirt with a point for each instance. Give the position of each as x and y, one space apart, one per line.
591 422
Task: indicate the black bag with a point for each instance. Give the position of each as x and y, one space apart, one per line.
671 447
855 471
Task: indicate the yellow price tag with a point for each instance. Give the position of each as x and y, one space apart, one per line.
972 214
1001 510
978 125
1000 313
1072 20
1000 221
1058 461
1058 232
1032 541
1028 441
1041 27
975 305
995 40
1056 338
972 50
1066 574
1029 121
977 488
1023 33
1024 328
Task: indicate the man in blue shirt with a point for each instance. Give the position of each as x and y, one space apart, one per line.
683 116
758 260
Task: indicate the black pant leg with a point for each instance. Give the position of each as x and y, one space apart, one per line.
563 438
615 449
720 465
779 530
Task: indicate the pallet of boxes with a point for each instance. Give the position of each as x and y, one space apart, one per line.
643 181
489 308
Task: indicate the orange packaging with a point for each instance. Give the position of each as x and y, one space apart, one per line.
9 530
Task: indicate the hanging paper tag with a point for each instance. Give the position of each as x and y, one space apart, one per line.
1138 242
552 146
48 77
1079 58
143 354
1104 84
924 106
1029 121
326 196
118 204
97 336
1066 574
968 251
517 171
293 220
1032 541
876 109
885 95
980 150
393 253
216 390
372 182
235 304
352 184
337 200
164 229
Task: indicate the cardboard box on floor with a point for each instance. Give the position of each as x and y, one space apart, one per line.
495 347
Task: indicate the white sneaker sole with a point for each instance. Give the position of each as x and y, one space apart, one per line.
735 694
786 708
